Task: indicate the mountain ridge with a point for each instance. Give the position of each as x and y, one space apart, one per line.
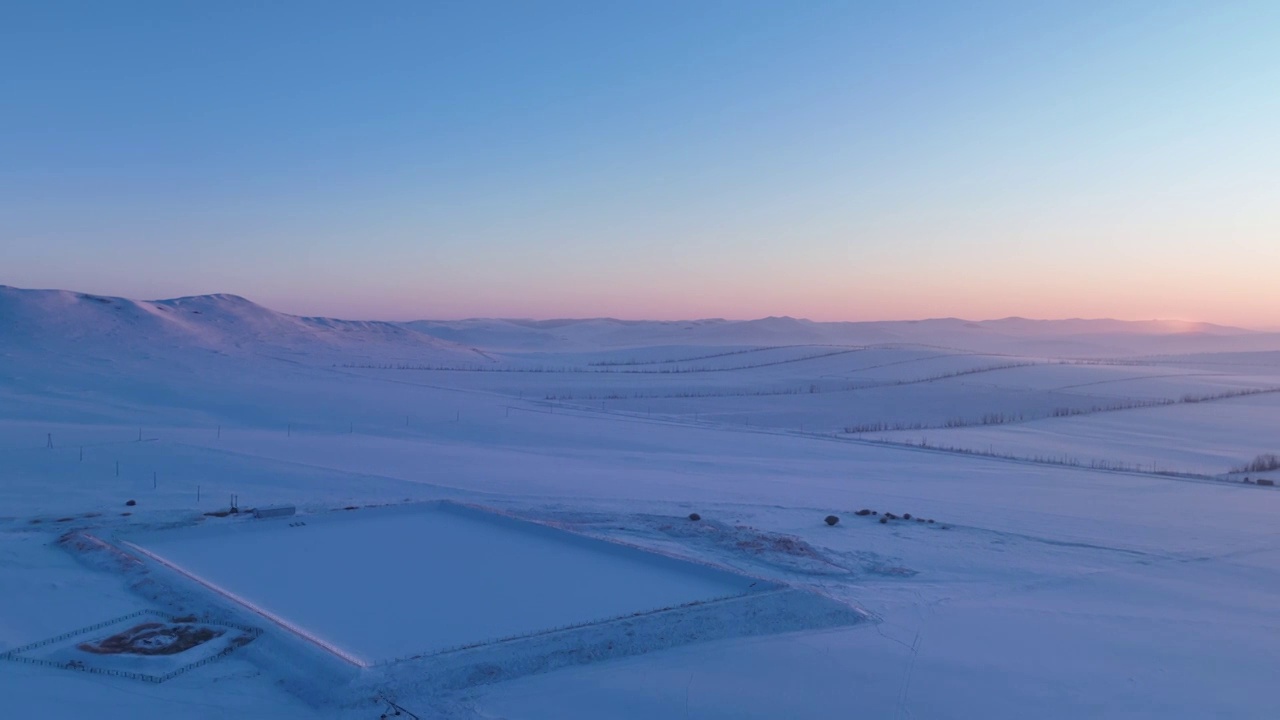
226 322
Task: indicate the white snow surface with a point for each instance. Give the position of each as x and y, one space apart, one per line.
380 585
1044 588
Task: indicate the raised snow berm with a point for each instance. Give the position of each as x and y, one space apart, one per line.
387 584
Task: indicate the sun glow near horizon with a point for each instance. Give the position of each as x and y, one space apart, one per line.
827 160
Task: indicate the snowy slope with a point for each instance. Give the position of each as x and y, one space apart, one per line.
50 319
1071 338
1042 590
98 358
89 325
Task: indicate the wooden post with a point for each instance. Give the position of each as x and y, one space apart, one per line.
49 443
153 480
117 468
81 453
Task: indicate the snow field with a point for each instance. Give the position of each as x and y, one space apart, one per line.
1054 592
1207 438
378 585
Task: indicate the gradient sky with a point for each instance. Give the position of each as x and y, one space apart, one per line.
648 159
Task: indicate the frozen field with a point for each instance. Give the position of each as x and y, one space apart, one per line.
1204 438
1041 590
378 585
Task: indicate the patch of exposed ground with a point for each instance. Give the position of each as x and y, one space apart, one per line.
152 638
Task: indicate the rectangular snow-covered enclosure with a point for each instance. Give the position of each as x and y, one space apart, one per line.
379 585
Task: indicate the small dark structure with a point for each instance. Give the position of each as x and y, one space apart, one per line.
891 516
271 511
906 516
884 521
695 517
131 503
863 512
831 520
1264 481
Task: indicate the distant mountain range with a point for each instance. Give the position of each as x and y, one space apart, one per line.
1011 335
64 321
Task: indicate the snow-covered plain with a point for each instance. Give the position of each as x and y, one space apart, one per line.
425 579
1042 589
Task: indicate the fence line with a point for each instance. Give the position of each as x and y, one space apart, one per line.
250 634
64 636
86 668
591 369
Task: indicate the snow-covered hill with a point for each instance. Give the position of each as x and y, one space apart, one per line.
1074 338
1059 558
199 359
93 325
65 321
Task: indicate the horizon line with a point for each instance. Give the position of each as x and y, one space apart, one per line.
564 319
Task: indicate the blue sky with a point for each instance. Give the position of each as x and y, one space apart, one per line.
649 159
